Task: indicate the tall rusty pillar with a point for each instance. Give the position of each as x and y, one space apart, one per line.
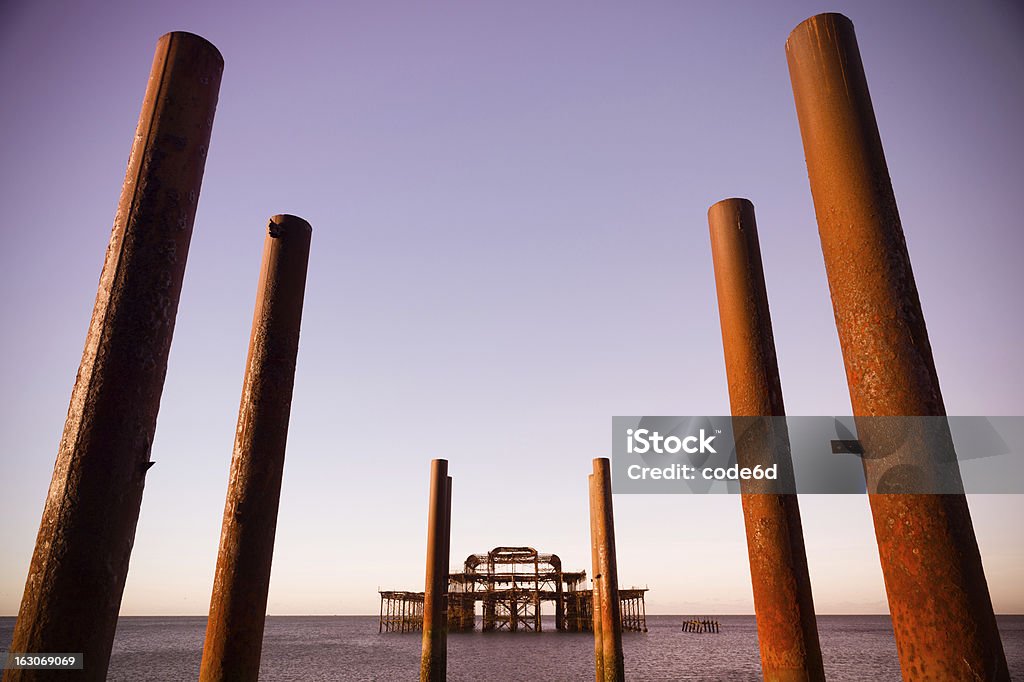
611 616
596 592
938 597
446 557
238 607
786 628
78 569
435 621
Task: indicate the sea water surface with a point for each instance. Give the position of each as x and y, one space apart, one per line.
350 648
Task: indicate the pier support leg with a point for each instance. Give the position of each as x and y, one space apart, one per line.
559 600
238 606
77 574
938 597
608 576
435 593
786 628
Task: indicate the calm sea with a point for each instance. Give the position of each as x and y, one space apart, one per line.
349 648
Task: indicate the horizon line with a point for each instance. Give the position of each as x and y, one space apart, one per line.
377 615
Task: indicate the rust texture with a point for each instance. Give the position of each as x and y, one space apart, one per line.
78 569
786 627
596 598
446 558
435 594
511 583
938 597
607 579
234 631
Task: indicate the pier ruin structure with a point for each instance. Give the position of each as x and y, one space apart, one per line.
511 583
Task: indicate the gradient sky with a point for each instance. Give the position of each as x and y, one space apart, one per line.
510 246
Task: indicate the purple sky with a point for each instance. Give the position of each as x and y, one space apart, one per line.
510 246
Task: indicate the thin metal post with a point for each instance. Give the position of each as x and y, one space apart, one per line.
432 661
78 569
596 580
786 627
611 615
941 609
238 606
559 597
447 571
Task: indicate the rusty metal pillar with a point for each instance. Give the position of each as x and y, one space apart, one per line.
786 626
938 597
238 607
611 615
446 558
595 580
435 621
77 574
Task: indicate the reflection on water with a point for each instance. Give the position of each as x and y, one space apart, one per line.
349 648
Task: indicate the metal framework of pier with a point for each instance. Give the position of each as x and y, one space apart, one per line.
511 583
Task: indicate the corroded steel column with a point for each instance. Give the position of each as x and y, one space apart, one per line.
786 627
435 621
238 607
938 597
611 617
595 561
446 558
77 575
